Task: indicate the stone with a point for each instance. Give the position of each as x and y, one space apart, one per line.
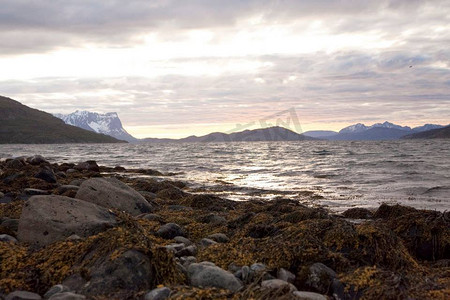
258 267
170 230
11 224
131 271
22 295
15 164
47 219
309 295
70 171
358 213
67 296
77 182
2 195
56 289
152 217
113 193
34 192
36 160
219 237
285 275
186 261
187 251
174 247
206 274
64 188
320 277
74 238
206 242
90 165
47 175
7 238
171 193
277 284
213 219
161 293
182 239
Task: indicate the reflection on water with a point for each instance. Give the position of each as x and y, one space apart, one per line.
341 174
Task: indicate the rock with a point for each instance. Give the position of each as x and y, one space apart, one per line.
285 275
187 251
56 289
174 247
11 224
70 171
206 274
47 175
77 182
7 238
171 193
90 165
47 219
22 295
357 213
213 219
13 177
148 195
74 282
161 293
74 238
34 192
64 188
186 261
258 267
170 230
131 271
15 164
36 160
277 284
206 242
61 174
219 237
113 193
309 295
320 277
2 195
182 239
152 217
209 202
67 296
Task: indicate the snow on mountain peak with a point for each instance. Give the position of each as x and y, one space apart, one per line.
359 127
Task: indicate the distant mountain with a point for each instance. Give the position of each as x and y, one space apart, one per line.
439 133
24 125
427 127
264 134
108 123
354 128
320 134
375 132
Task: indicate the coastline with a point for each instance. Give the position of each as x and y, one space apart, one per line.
392 252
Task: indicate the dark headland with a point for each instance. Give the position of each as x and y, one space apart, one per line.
80 231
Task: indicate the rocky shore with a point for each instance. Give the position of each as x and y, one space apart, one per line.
83 231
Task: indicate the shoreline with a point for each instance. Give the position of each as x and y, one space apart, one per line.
174 240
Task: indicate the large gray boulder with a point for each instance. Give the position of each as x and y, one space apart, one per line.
113 193
206 274
47 219
23 295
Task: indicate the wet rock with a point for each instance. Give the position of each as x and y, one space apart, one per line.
357 213
161 293
186 261
148 195
187 251
174 247
47 175
15 164
74 238
11 224
22 295
90 165
219 237
71 171
37 160
67 296
12 178
74 282
112 193
285 275
206 274
277 284
7 238
258 267
152 217
387 211
46 219
206 242
209 202
213 219
170 230
56 289
132 271
171 193
320 277
64 188
182 239
309 295
77 182
34 192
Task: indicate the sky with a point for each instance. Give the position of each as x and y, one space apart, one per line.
175 68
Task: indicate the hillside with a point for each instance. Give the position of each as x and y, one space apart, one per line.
440 133
20 124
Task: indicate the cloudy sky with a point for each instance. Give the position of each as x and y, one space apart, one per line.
174 68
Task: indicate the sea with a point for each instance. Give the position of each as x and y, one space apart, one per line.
336 175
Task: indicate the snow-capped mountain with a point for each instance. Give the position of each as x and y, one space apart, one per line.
427 127
108 123
359 127
390 125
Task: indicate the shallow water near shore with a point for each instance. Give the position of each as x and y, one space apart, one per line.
337 175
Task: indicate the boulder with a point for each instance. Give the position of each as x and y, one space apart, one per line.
64 188
182 239
22 295
206 274
161 293
47 175
206 242
36 160
309 296
170 230
15 164
277 284
113 193
187 251
131 271
320 277
219 237
7 238
90 165
67 296
47 219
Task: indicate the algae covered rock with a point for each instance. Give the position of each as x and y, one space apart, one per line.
206 274
170 231
46 219
112 193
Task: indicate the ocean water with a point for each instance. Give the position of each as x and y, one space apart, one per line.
334 174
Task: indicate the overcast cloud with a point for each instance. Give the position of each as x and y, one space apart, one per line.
174 68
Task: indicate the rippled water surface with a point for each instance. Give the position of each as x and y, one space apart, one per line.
335 174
